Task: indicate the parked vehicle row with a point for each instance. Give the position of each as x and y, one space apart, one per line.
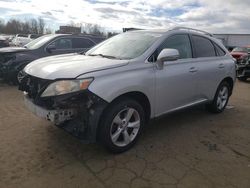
242 56
23 39
5 40
110 92
14 59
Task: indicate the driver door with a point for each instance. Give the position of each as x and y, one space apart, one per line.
176 82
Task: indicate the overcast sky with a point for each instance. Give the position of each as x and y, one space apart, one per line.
216 16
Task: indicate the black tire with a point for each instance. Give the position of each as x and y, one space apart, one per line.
213 106
107 124
243 79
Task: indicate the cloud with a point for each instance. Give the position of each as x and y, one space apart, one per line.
216 16
47 13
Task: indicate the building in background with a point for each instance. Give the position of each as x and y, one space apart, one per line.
69 30
233 40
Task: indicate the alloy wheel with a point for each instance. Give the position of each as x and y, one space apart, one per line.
222 97
125 127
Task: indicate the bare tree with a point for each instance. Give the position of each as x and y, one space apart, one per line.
111 34
34 26
13 26
93 29
41 25
26 27
2 26
48 31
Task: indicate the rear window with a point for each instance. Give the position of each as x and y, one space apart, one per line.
82 43
203 47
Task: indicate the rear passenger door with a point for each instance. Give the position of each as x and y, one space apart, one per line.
211 66
81 44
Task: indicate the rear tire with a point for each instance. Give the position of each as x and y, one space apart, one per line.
121 125
221 98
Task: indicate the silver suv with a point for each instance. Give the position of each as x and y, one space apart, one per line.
109 93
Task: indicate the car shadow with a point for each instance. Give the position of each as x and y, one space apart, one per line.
155 129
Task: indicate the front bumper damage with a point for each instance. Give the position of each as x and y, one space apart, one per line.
243 70
56 116
77 113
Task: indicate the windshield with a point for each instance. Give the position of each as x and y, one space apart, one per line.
238 49
125 46
37 43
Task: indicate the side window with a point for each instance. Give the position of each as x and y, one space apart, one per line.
63 43
203 47
219 51
179 42
82 43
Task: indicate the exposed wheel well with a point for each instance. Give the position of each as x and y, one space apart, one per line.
230 81
141 98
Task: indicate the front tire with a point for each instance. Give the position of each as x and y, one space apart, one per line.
221 98
122 125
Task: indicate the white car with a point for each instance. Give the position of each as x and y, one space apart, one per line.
23 39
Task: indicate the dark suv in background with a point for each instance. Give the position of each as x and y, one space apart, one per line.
14 59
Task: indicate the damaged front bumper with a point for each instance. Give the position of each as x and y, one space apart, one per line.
243 70
77 113
56 116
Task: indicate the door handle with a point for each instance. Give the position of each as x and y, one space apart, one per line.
221 65
193 69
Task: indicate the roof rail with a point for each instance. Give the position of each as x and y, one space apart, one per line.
191 29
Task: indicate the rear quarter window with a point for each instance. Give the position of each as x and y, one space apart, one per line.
203 47
219 50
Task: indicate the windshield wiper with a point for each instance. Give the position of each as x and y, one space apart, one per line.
105 56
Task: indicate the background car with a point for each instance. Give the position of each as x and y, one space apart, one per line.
23 39
14 59
4 42
242 55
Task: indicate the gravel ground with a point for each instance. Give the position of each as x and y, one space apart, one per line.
192 148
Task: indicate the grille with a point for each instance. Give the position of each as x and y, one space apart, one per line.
33 85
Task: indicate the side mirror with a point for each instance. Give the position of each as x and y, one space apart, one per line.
50 48
167 54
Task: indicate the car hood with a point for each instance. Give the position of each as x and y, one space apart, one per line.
70 66
12 49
